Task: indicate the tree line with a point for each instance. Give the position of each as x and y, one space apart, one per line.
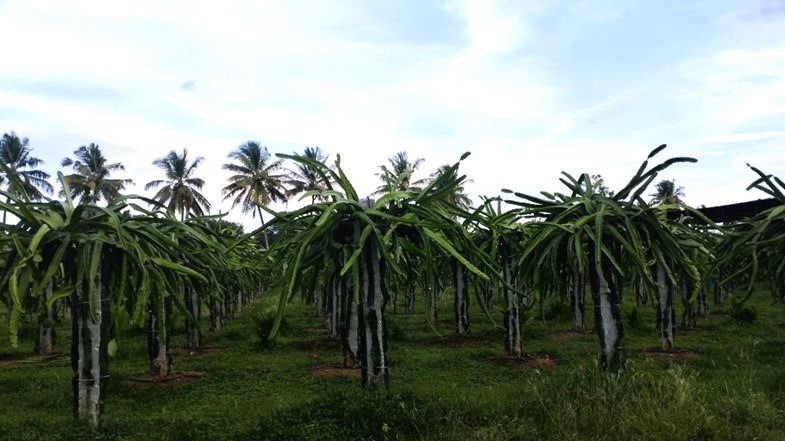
257 179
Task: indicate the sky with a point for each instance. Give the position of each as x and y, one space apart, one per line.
531 88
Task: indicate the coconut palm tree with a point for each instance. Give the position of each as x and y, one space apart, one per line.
667 193
456 196
256 181
181 190
15 154
398 177
304 177
90 180
180 193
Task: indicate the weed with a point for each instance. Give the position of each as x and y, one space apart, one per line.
557 310
263 322
633 318
741 311
396 330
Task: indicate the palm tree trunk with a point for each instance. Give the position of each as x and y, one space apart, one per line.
527 295
578 301
409 298
607 317
640 295
230 302
45 332
216 314
410 295
460 283
688 308
89 352
193 338
264 233
720 294
703 302
372 324
666 315
158 338
432 312
487 290
334 308
349 326
317 295
512 318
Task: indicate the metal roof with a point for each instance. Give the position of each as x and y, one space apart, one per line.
738 211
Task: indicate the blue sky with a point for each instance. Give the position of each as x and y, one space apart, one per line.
530 88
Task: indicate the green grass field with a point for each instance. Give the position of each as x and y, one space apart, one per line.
441 388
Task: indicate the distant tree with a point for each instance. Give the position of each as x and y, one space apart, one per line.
667 193
90 180
599 184
15 155
304 177
181 190
398 177
256 181
456 196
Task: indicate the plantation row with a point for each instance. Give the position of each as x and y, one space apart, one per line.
124 264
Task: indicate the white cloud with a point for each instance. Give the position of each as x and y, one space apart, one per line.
743 137
735 95
336 75
595 11
493 25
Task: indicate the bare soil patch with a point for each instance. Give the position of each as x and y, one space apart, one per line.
673 354
26 360
174 379
188 352
524 361
336 371
571 335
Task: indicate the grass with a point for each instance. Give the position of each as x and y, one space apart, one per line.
440 388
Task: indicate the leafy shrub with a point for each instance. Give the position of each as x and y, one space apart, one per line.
395 329
633 319
742 312
558 310
263 322
27 326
